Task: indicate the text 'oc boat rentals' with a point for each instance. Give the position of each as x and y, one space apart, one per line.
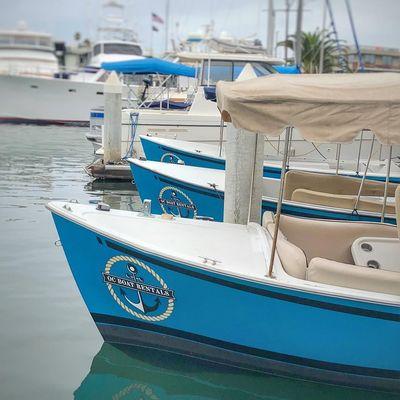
291 296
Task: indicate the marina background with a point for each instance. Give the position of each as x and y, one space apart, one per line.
65 17
49 345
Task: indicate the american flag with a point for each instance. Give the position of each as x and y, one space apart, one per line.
156 18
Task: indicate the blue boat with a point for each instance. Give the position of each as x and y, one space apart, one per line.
207 156
193 192
173 284
312 298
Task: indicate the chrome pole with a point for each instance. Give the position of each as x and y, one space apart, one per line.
365 174
338 149
252 179
289 149
386 184
221 135
359 153
279 145
288 133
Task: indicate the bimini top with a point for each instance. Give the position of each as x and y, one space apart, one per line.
150 66
325 108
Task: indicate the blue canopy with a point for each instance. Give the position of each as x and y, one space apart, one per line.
287 69
150 66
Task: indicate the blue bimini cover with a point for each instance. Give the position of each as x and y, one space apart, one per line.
150 66
287 69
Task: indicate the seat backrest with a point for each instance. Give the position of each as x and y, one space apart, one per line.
347 201
292 258
330 183
330 239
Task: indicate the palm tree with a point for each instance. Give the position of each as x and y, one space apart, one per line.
311 51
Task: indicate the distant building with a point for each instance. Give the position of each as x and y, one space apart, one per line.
375 58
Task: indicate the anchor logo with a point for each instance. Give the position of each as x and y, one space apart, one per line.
176 202
139 304
138 289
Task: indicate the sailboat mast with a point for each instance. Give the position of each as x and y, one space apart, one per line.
298 43
270 28
323 35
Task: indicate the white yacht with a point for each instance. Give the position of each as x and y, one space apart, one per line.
27 53
67 98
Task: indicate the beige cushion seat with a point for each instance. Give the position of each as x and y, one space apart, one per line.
320 251
346 201
292 258
335 190
330 239
352 276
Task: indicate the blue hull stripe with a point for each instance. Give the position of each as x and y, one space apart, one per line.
208 192
342 368
197 157
258 291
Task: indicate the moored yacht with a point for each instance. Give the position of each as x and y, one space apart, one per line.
67 98
27 53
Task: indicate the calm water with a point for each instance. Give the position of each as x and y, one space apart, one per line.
49 347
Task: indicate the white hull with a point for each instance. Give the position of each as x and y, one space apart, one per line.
188 128
41 100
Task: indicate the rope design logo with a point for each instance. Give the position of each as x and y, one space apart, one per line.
138 289
176 202
171 158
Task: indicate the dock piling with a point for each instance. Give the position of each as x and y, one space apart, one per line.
112 119
243 176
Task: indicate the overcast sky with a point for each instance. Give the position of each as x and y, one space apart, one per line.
377 21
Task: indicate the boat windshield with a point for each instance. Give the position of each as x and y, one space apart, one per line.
230 70
120 48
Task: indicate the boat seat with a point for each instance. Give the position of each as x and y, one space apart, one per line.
330 239
335 184
352 276
340 201
320 251
267 217
292 258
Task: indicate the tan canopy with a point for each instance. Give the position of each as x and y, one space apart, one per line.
325 108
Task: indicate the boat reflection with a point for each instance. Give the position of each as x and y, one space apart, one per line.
127 372
117 194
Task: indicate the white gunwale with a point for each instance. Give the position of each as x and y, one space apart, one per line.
75 212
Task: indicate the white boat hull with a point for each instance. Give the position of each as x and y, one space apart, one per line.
44 100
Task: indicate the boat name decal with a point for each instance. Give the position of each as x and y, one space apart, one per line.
116 280
176 202
138 289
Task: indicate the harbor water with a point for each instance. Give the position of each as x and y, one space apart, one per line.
49 346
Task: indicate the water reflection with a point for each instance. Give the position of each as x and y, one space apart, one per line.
119 195
126 372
